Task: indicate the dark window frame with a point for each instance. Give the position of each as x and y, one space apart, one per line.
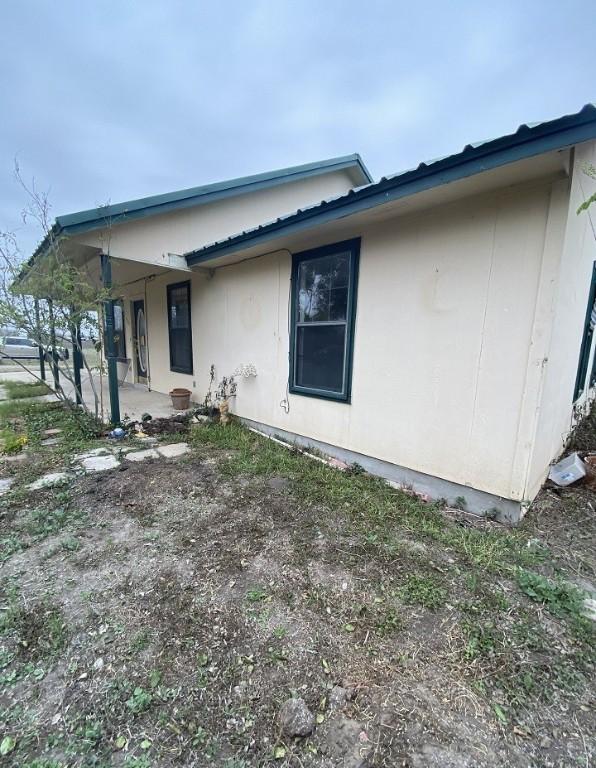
169 289
353 246
586 346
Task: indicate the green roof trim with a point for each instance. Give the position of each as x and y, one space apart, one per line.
131 210
527 141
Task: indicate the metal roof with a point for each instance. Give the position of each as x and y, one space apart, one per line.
527 141
109 215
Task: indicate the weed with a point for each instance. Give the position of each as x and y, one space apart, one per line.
17 390
388 622
10 546
140 641
422 590
559 597
256 595
139 701
42 522
460 502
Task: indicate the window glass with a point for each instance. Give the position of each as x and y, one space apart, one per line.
322 332
179 324
119 331
323 288
320 357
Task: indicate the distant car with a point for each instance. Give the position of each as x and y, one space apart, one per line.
18 347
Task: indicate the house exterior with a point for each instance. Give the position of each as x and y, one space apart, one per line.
433 326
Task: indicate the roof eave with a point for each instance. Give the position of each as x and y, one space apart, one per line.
525 143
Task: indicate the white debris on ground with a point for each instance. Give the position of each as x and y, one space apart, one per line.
101 460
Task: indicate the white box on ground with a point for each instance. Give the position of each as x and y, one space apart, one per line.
568 470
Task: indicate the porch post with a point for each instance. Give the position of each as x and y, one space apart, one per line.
42 362
54 356
106 276
77 362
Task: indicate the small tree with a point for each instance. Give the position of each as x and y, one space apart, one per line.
49 298
590 171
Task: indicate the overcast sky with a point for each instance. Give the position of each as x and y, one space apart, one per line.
107 101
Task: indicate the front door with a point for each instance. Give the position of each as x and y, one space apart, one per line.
139 325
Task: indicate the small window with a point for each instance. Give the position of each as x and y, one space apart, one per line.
586 347
323 312
179 327
119 333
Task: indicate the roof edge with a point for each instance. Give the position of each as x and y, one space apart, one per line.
473 159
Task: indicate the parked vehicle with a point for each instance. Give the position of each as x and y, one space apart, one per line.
18 347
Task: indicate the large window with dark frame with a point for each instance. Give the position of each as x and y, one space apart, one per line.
179 327
323 312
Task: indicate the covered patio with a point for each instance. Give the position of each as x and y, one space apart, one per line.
135 399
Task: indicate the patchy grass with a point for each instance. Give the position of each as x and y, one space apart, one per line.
17 390
161 618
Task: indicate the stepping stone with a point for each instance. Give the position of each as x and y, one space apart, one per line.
93 452
52 432
49 481
17 457
100 463
173 450
5 483
142 455
50 441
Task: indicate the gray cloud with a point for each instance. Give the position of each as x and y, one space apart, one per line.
114 100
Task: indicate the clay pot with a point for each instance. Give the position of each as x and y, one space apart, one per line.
180 398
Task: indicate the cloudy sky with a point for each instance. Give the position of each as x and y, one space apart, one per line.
111 100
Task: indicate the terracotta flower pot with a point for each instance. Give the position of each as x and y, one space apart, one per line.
180 398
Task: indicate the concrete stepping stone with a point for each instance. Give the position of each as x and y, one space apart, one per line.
50 441
52 432
150 453
50 480
92 452
100 463
5 483
173 450
16 457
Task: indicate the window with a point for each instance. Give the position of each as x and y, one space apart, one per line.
119 334
179 327
323 311
584 355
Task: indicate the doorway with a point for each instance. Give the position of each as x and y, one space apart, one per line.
139 327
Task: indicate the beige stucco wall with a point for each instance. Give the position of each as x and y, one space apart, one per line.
151 239
443 378
565 306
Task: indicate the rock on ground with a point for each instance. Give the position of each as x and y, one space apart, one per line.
295 718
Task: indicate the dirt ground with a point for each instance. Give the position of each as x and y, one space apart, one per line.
160 614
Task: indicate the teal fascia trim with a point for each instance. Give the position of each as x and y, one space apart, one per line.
346 245
97 218
131 210
525 143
